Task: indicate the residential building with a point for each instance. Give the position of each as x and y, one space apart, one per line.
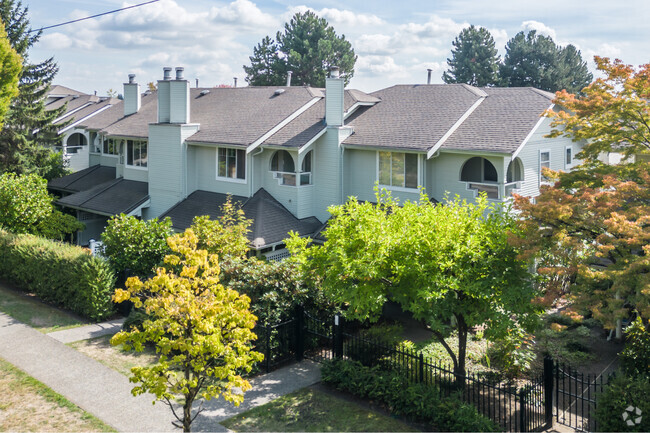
287 153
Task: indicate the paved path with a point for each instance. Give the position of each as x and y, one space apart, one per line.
107 394
87 332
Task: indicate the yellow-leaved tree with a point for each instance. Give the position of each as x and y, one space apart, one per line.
201 330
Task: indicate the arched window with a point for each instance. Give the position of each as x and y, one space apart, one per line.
284 168
515 171
305 169
478 169
479 173
75 142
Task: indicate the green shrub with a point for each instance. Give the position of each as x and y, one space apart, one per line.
58 273
381 338
566 345
137 245
635 358
412 400
621 393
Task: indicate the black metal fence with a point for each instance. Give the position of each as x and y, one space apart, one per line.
557 392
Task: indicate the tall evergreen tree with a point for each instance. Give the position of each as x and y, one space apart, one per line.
535 60
308 47
474 59
29 133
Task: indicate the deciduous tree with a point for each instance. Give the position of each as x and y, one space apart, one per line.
595 220
308 47
10 68
201 330
474 59
451 265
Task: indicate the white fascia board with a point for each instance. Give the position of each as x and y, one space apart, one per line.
306 147
530 134
72 125
72 112
281 125
355 107
454 127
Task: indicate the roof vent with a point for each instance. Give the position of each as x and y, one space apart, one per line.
204 92
279 92
131 78
167 73
179 73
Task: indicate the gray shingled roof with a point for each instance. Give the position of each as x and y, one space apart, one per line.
84 179
306 126
271 221
109 198
502 121
411 117
112 121
87 111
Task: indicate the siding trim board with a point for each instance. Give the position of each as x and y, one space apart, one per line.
531 133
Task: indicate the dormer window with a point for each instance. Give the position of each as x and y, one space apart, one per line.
283 168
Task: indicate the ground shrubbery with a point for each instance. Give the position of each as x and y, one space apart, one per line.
412 400
58 273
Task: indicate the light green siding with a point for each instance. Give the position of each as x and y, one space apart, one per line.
167 165
443 175
327 171
202 175
286 195
139 174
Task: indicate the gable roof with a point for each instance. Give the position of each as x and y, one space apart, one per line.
109 198
502 121
271 222
83 179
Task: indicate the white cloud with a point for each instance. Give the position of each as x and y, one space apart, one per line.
541 29
243 12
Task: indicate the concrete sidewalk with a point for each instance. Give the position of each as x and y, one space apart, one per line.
106 393
88 331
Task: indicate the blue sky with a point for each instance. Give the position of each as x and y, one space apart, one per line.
396 41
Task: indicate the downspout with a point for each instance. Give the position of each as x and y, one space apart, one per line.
341 198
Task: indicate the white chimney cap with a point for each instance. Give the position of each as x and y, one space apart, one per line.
334 72
167 73
131 78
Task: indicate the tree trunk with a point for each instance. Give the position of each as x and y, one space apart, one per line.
462 351
187 416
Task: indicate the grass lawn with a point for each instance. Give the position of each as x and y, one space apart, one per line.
35 313
312 410
28 405
114 357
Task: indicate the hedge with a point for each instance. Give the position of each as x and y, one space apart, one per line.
58 273
412 400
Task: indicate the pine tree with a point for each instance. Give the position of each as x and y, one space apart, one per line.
29 133
308 47
535 60
474 59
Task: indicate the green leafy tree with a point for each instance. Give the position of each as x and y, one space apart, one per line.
225 236
202 331
474 59
10 68
451 265
135 244
595 232
308 47
27 208
535 60
28 135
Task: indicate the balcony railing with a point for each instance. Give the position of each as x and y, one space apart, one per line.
490 189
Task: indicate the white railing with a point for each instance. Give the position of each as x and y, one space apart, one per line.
490 189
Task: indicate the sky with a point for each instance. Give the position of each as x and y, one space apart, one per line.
396 41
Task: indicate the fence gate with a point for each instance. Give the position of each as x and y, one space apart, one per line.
575 397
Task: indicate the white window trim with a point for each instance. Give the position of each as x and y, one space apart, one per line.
226 178
571 164
397 188
539 165
135 167
110 155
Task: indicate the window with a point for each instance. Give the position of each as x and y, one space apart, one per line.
515 171
305 170
231 163
544 161
568 157
111 146
136 153
284 168
398 169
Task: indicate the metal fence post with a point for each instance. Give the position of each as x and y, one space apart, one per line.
300 332
421 358
548 391
338 337
522 411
